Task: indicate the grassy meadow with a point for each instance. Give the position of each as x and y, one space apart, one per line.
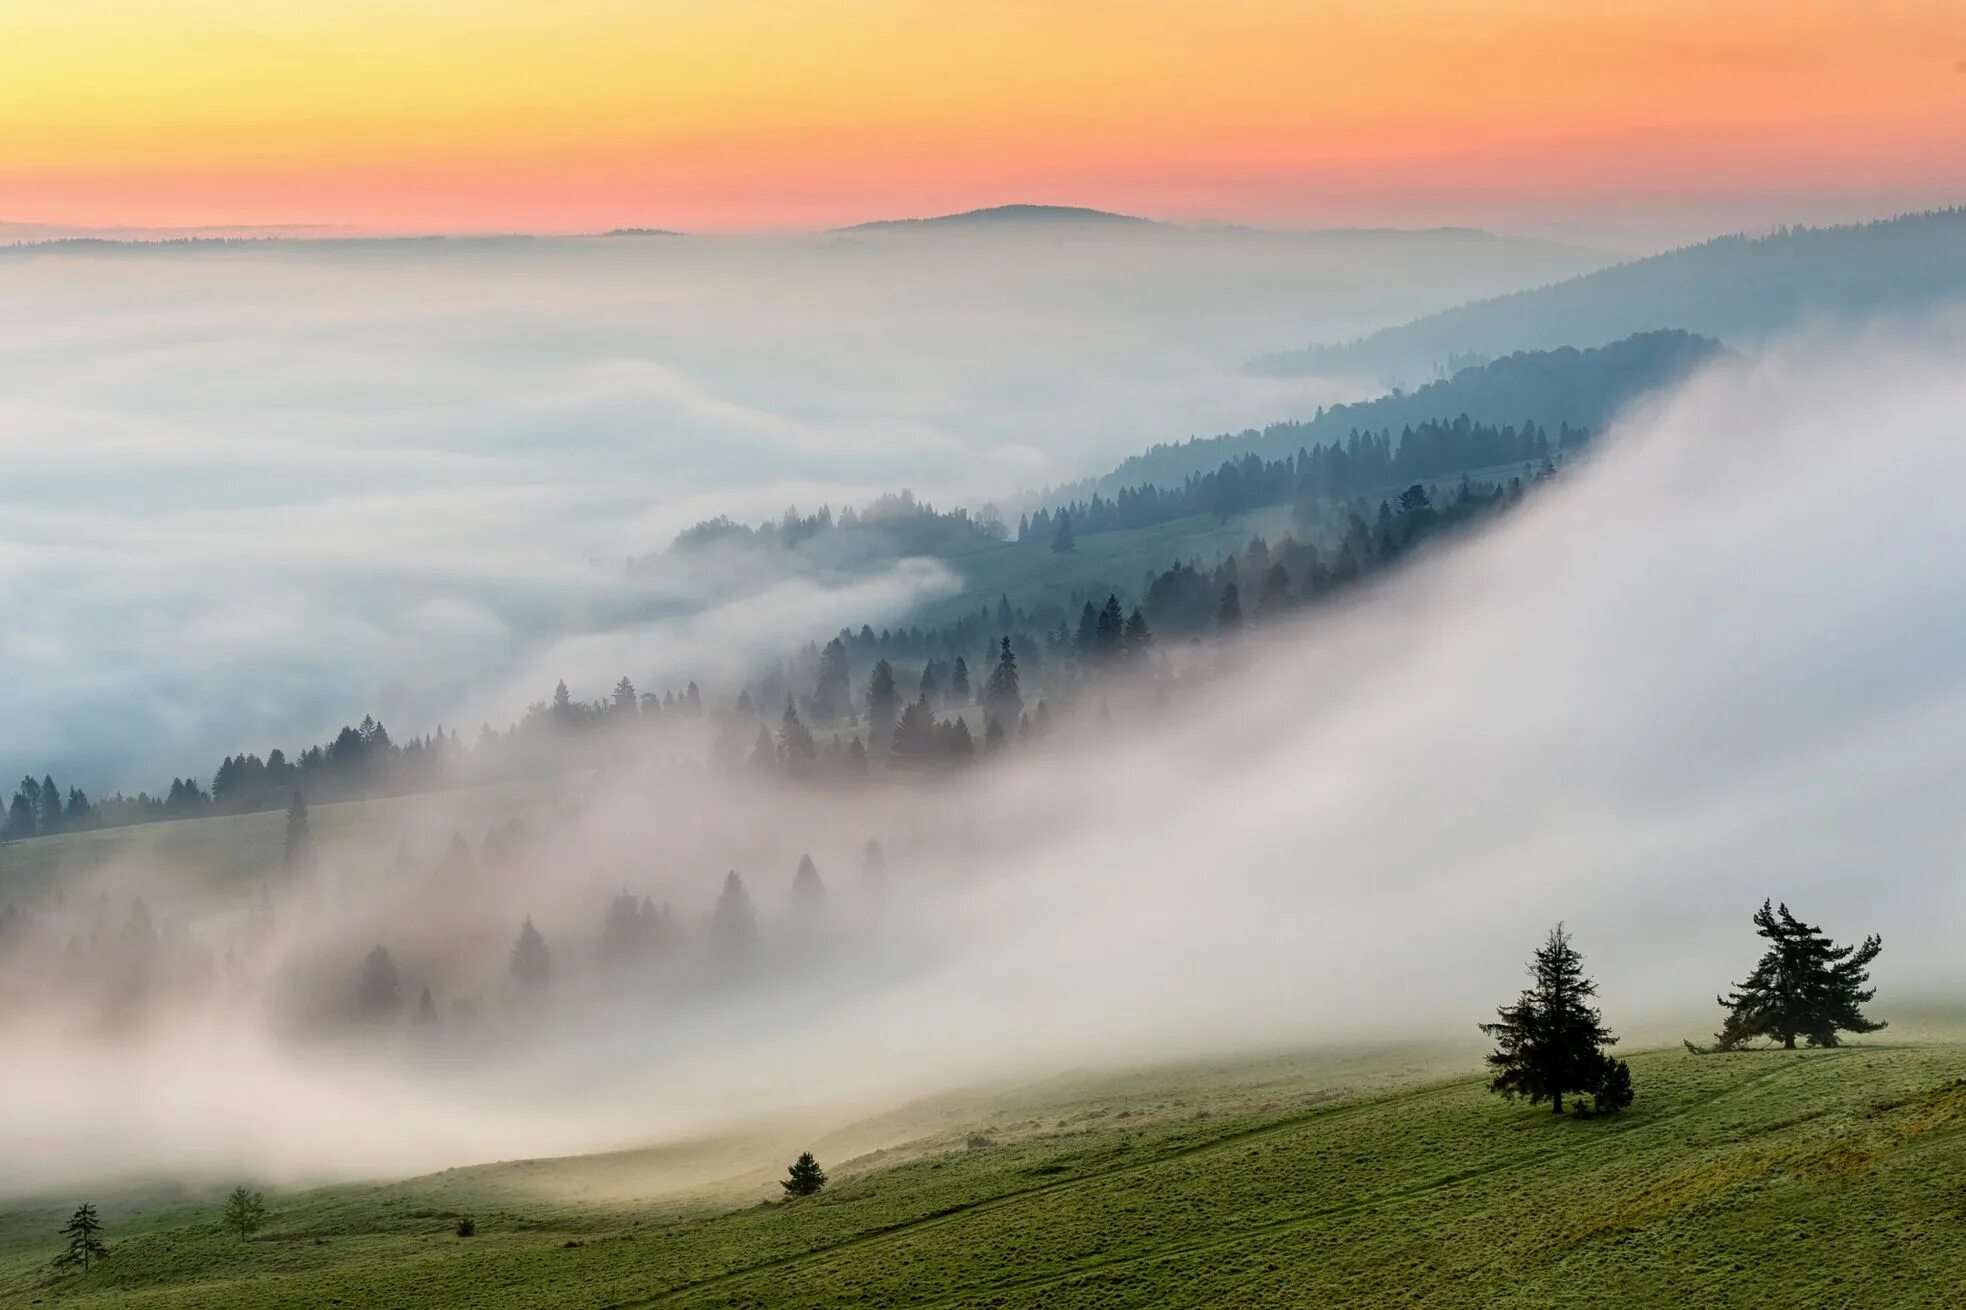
1763 1178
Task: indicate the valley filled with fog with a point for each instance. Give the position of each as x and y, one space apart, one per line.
254 489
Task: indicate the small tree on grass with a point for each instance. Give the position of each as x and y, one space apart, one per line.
1550 1041
245 1212
84 1234
1805 986
804 1177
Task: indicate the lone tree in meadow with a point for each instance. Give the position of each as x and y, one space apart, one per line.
804 1177
84 1234
1805 986
1550 1041
245 1212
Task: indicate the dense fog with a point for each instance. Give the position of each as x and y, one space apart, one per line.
1718 661
251 492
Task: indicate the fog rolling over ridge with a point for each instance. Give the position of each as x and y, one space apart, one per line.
251 491
1717 662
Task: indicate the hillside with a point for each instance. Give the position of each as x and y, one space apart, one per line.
1002 216
1741 289
1584 388
1770 1177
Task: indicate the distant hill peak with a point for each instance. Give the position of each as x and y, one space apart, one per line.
1007 216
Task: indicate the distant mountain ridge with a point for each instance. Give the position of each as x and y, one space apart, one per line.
1739 289
1007 216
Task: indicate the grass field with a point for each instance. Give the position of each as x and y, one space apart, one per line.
1760 1179
216 850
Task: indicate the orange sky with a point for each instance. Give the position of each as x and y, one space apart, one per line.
553 115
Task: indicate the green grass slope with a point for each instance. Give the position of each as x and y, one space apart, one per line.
216 850
1765 1178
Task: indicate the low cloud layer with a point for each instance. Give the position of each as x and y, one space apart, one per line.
1716 663
250 492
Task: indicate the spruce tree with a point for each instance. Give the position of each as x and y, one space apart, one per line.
808 893
733 924
959 693
1003 700
84 1234
796 748
1228 616
1805 986
245 1212
915 740
379 990
834 692
804 1177
1109 631
531 962
883 706
1550 1041
1138 638
1062 540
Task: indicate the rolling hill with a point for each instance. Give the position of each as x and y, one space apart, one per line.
1743 290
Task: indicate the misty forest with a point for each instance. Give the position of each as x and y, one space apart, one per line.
1029 757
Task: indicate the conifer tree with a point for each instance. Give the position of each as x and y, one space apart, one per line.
915 740
834 692
531 962
84 1234
733 923
959 693
883 705
1003 700
808 893
245 1212
625 700
804 1177
1550 1041
796 748
1138 639
1228 616
1805 986
1109 631
1063 540
379 990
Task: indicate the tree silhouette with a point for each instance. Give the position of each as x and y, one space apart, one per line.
379 990
84 1234
245 1212
804 1177
883 705
1805 986
1062 540
1003 700
734 924
808 893
531 962
1550 1041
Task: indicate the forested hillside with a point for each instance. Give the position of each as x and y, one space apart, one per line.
1741 289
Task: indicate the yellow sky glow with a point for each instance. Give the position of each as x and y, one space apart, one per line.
471 114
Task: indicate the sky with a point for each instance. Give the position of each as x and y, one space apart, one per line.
1678 117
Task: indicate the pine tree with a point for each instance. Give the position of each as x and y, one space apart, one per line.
84 1234
245 1212
915 739
1805 986
50 816
1228 616
1063 541
1109 635
1003 699
804 1177
625 700
733 923
834 692
1550 1041
808 893
531 962
298 856
1138 638
959 693
883 705
796 748
380 989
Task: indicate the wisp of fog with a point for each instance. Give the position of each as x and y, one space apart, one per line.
1716 662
